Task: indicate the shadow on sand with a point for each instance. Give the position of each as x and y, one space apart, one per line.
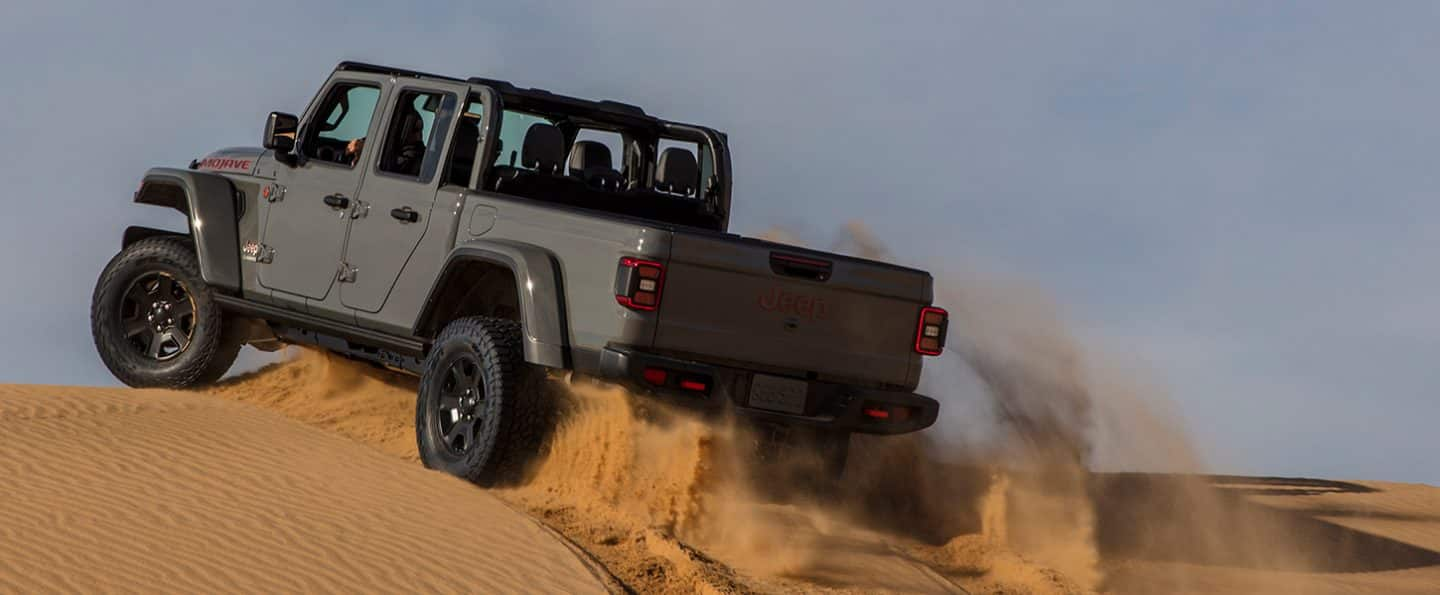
1209 520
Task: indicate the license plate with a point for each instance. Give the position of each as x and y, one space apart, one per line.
778 394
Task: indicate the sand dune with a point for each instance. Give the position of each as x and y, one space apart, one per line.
652 498
144 491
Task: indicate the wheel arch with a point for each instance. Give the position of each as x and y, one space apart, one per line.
209 203
488 276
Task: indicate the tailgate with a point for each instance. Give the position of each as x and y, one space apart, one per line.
780 306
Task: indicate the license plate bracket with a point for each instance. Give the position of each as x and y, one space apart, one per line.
774 393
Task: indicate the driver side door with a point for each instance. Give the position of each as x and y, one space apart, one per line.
305 230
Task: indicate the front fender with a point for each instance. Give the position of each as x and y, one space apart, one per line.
538 285
208 202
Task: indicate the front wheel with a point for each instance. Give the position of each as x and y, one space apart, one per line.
154 320
479 414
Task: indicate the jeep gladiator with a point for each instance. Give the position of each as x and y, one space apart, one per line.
476 234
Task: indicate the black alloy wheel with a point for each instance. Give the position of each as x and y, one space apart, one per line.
459 413
158 316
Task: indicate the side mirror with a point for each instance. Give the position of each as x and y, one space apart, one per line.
280 132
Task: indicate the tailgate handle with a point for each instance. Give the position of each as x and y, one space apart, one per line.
791 265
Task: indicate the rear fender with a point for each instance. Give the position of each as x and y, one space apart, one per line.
208 202
537 285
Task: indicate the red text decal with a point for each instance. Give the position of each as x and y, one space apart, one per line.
223 164
779 300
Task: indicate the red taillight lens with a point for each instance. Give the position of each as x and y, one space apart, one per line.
638 284
930 334
655 376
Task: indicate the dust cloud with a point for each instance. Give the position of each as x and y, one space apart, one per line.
1003 502
1000 496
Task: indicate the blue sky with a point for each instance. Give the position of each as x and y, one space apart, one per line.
1238 199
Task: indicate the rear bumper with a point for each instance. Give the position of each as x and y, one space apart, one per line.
829 406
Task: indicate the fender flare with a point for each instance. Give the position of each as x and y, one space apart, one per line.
538 285
209 203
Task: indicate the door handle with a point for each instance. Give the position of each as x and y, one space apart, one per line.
337 201
405 215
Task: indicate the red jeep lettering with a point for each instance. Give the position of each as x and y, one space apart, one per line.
779 300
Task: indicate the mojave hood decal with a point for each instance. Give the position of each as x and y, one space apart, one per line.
240 160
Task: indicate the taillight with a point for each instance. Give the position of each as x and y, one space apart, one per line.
638 284
655 376
930 335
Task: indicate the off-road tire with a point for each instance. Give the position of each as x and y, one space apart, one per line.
212 346
508 415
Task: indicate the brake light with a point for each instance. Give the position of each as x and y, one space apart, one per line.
638 284
930 334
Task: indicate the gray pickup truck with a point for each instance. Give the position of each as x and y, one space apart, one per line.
477 234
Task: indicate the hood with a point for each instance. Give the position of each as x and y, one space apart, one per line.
234 160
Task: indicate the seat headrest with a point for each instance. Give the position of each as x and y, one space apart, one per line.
587 154
677 172
544 148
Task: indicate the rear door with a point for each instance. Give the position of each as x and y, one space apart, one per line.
305 228
771 305
397 202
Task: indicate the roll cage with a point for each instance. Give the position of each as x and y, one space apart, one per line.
642 132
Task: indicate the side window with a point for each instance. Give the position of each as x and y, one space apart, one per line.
412 137
513 126
337 134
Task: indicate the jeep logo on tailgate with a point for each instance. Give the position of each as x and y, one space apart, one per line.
779 300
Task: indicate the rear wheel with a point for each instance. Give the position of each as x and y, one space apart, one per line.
155 322
479 414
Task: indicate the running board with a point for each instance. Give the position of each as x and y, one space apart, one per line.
407 346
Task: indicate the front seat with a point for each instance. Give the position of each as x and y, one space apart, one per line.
410 154
462 156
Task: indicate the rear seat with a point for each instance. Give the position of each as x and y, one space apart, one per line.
543 156
677 172
590 163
